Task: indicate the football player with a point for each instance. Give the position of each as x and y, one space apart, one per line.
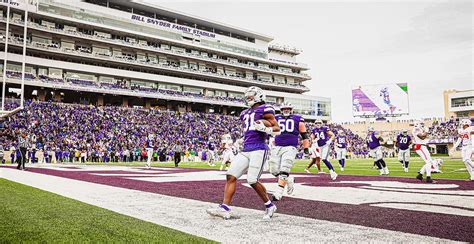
211 152
341 148
420 137
465 140
284 150
375 150
228 153
321 138
385 95
259 122
149 149
403 144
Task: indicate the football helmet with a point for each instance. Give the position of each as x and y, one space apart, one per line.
370 129
466 122
419 124
286 105
226 137
340 132
318 123
404 132
254 95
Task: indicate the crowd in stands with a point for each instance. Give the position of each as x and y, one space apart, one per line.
111 133
107 132
117 86
444 129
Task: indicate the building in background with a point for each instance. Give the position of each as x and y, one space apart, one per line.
132 53
458 104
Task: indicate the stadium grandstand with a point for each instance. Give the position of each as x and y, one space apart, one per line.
131 53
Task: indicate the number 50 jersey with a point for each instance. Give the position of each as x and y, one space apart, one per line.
289 128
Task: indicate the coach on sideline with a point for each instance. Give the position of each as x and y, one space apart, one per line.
23 147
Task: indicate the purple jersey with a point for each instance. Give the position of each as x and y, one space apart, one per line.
372 141
403 142
211 146
289 128
321 135
255 140
149 143
341 141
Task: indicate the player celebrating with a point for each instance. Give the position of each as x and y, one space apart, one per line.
321 137
283 153
465 138
259 122
403 144
341 148
420 137
228 153
375 150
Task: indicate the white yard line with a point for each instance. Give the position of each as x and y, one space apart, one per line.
189 215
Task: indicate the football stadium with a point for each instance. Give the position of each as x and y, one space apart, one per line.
127 121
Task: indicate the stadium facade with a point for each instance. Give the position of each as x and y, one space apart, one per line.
458 104
132 53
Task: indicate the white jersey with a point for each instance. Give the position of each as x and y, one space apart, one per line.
466 136
418 140
228 144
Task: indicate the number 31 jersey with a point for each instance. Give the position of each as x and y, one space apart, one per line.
253 139
289 128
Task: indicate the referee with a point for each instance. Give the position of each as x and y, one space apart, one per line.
23 147
177 154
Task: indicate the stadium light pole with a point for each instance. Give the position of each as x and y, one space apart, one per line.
24 57
4 78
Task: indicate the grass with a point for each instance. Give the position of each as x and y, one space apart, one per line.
452 168
28 214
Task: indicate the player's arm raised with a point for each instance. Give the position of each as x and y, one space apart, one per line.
304 135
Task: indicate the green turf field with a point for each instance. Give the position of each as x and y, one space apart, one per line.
28 214
452 168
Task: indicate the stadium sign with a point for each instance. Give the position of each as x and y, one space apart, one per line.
172 26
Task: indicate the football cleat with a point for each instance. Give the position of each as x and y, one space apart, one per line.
419 176
385 171
333 175
342 169
219 212
276 196
405 169
290 185
269 212
429 180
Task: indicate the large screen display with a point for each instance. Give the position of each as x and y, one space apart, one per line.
380 100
